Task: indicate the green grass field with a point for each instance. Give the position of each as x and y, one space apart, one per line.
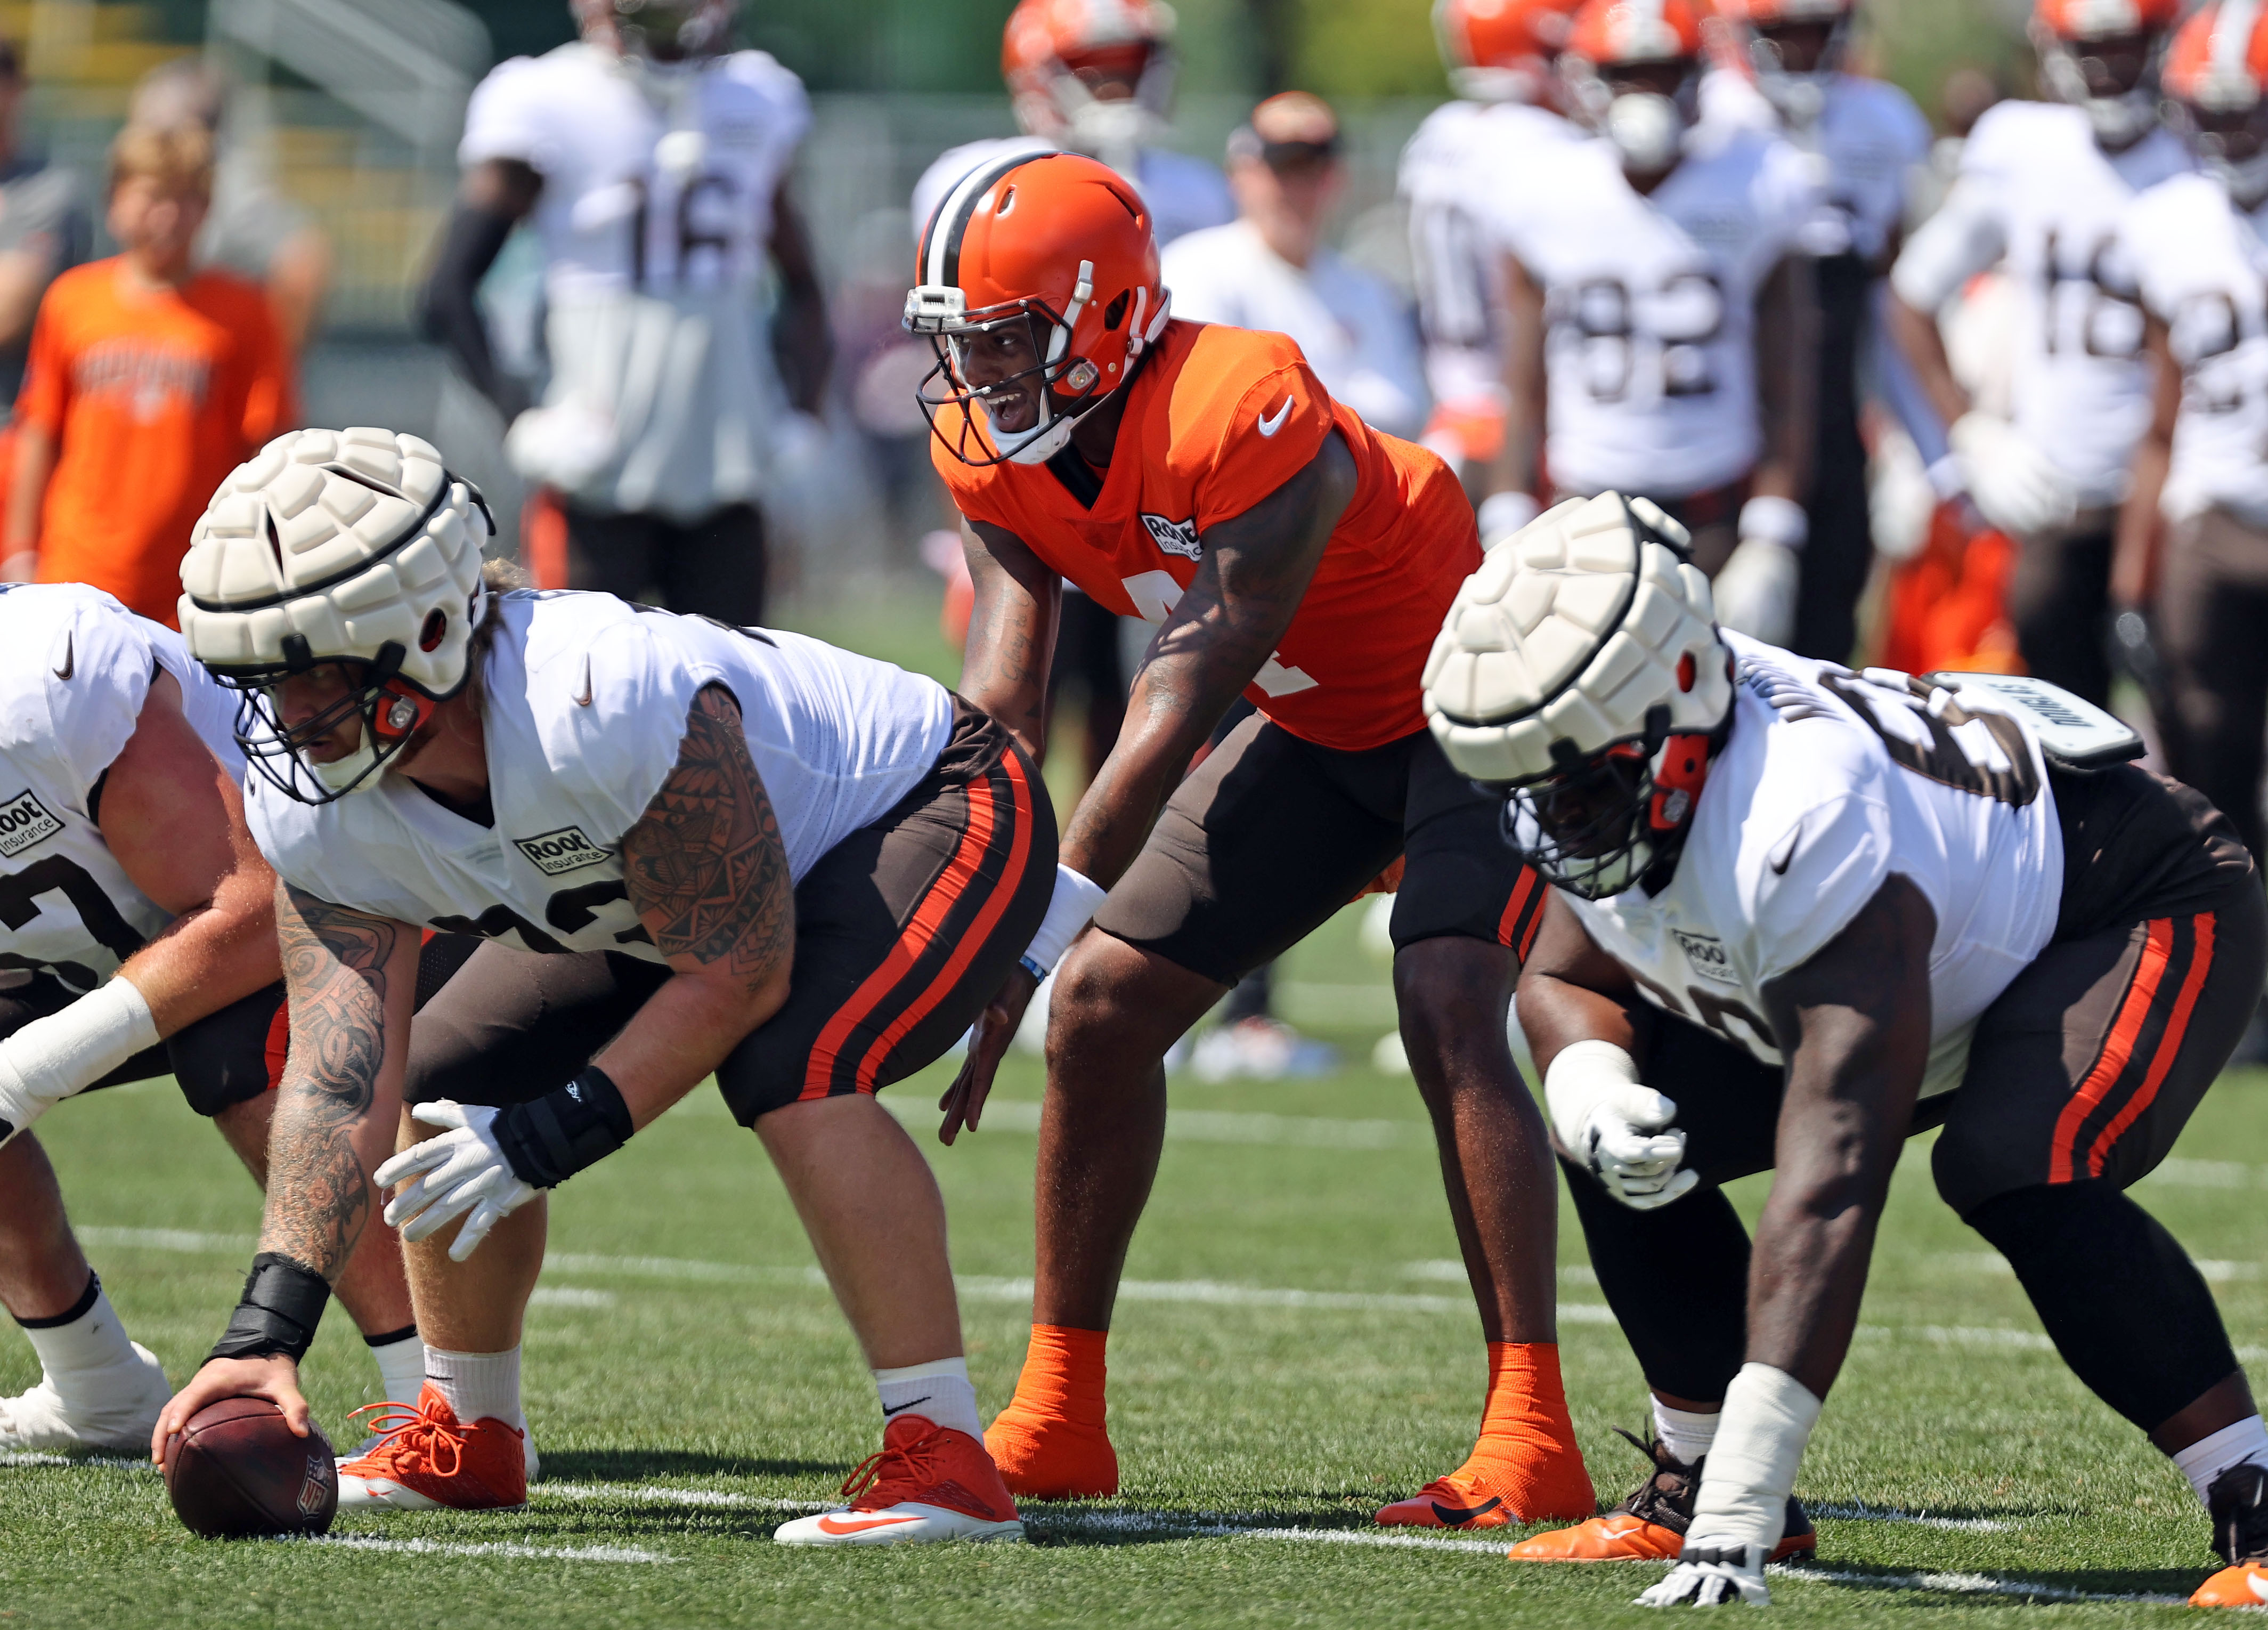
1294 1346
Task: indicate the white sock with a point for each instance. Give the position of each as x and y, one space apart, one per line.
400 1366
2208 1457
1685 1433
939 1390
77 1347
1769 1415
478 1386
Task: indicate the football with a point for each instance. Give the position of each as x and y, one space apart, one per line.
237 1472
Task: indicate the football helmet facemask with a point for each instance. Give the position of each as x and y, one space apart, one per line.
1503 50
1579 669
1633 70
2102 57
2216 72
1093 75
663 32
1794 48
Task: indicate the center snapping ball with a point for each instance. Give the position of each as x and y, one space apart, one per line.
236 1471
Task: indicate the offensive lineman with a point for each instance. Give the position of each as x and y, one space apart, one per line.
1822 911
690 847
2043 188
654 164
1661 309
2193 534
140 941
1198 477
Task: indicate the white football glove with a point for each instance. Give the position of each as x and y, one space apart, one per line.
2012 483
1620 1129
1710 1575
1754 591
463 1170
49 1059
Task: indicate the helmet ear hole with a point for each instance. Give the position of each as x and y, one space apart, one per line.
1115 314
436 625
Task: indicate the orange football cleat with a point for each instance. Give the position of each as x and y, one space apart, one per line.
1461 1500
2238 1502
1650 1526
2244 1585
424 1459
929 1483
1526 1467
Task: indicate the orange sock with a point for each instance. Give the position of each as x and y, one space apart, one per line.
1526 1450
1051 1443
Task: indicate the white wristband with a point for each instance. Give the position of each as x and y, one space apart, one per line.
50 1058
1503 513
1584 1072
1751 1472
1076 899
1776 520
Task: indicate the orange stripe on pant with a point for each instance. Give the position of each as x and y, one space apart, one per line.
915 939
1520 891
2169 1045
2118 1049
1011 878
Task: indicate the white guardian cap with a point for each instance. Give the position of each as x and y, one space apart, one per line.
354 549
1579 667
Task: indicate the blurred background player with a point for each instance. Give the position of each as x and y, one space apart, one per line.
653 163
140 942
1661 319
2193 532
1869 140
44 229
251 229
149 379
1502 57
2040 192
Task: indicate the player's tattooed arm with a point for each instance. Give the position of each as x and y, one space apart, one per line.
1012 632
349 978
1229 620
706 868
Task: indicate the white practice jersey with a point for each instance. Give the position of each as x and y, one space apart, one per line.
1184 194
1650 306
2203 270
75 668
2036 194
1353 329
584 700
1867 146
1463 170
656 221
1830 783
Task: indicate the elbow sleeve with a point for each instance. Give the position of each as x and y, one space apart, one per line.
447 310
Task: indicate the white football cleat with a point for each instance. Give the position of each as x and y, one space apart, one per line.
929 1483
117 1418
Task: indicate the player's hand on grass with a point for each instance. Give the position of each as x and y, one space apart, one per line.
1709 1575
963 1102
462 1173
275 1377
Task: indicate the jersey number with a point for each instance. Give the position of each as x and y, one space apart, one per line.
1946 758
570 912
57 875
2108 320
1679 317
1714 1011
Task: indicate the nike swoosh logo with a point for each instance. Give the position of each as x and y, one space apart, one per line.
889 1413
1779 857
71 659
585 699
835 1525
1273 422
1457 1517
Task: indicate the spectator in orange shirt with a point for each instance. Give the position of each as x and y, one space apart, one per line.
148 383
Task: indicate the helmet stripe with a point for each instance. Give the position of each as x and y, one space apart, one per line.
941 252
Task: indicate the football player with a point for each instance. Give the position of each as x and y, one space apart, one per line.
1095 76
2041 189
2193 534
1661 308
1200 477
1799 913
1502 59
688 848
1869 140
139 942
654 164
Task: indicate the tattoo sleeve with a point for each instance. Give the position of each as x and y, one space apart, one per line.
706 866
334 971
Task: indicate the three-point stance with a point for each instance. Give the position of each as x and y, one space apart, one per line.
1822 911
1200 477
140 941
689 848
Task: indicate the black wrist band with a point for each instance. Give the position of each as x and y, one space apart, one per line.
282 1304
549 1140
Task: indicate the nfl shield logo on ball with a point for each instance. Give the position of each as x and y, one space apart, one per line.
314 1493
563 851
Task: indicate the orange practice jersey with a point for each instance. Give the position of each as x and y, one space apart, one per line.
152 396
1217 419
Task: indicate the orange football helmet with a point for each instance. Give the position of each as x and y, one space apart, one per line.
2215 74
1633 70
2103 56
1502 50
1044 270
1056 54
1792 47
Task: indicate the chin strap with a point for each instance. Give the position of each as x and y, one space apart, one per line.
1677 784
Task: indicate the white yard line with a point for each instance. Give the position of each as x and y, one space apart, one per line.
659 1494
507 1548
1862 1512
1320 1132
1970 1584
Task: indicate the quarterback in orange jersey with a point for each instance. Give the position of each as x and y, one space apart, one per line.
1200 477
